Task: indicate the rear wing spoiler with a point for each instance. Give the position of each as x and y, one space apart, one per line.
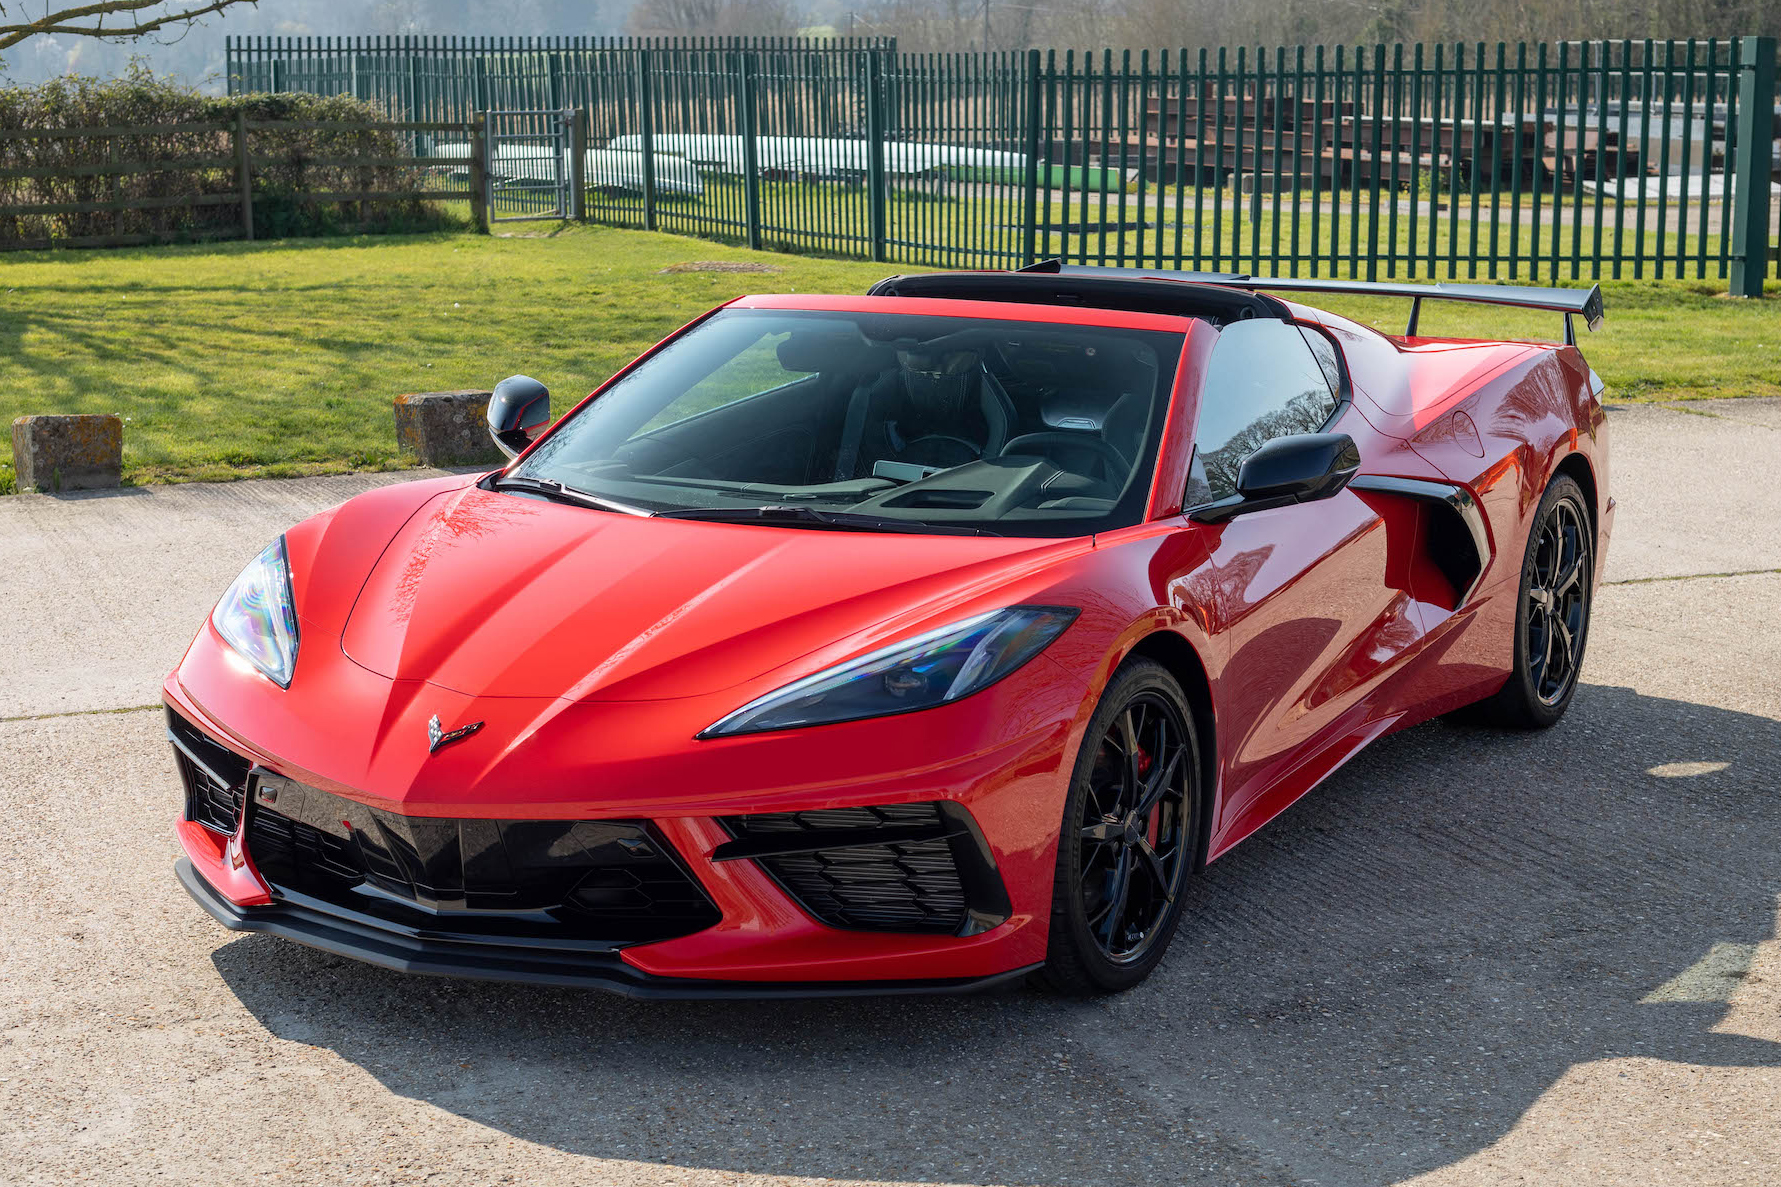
1573 303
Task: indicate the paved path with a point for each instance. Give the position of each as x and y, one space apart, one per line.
1468 958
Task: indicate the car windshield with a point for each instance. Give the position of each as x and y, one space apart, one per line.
873 421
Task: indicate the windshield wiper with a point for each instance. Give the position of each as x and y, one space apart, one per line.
557 492
795 516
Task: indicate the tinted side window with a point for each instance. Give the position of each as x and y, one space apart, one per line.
1325 350
1262 382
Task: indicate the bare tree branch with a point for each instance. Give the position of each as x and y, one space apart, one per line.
141 21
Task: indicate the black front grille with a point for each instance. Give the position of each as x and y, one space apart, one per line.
215 777
918 867
542 883
577 881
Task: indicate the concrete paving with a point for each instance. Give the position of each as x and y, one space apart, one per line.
1468 958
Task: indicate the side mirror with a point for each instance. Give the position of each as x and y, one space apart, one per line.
519 405
1301 468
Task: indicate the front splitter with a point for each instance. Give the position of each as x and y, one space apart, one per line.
344 936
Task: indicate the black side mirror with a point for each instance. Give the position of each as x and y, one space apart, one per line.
519 405
1301 468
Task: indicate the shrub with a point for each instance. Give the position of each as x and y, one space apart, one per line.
202 164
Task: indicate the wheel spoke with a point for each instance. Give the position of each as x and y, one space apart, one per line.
1102 800
1103 831
1095 851
1536 639
1544 635
1567 649
1108 917
1128 740
1162 777
1568 578
1154 865
1549 548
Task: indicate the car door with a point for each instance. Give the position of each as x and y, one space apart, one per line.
1308 600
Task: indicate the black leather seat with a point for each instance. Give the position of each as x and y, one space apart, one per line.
883 424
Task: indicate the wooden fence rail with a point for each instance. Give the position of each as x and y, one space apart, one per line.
49 174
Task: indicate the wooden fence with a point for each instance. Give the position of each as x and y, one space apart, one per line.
229 179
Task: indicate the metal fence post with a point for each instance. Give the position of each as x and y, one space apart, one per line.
1750 196
751 164
647 120
578 164
875 157
1029 248
244 167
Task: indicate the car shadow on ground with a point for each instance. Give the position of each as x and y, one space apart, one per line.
1380 983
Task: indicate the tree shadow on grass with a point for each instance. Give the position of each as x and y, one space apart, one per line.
1380 983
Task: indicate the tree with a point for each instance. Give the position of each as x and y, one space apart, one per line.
131 18
713 18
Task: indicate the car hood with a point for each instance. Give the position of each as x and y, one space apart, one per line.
492 594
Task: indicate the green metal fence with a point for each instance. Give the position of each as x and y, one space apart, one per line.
1528 162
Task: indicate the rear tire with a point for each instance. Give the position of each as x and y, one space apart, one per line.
1551 613
1130 836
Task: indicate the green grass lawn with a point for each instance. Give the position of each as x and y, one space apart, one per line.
278 359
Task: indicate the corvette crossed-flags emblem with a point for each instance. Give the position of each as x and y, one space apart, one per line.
438 736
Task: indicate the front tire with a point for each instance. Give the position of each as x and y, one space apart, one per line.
1551 613
1129 839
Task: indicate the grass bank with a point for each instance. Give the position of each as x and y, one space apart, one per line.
279 359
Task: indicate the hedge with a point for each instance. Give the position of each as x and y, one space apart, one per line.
203 163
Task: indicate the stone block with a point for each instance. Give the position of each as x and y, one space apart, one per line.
57 453
446 428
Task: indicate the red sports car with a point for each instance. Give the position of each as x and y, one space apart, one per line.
917 641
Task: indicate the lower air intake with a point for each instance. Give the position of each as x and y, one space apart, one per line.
214 777
921 867
578 881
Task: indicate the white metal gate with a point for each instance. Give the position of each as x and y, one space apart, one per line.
529 174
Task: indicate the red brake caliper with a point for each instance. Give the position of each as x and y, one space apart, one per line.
1145 762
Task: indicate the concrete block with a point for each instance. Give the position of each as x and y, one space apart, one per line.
446 428
55 453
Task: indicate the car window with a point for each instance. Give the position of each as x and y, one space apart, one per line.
1327 359
1262 382
752 370
980 423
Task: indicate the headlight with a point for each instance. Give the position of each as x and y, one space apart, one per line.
257 616
933 669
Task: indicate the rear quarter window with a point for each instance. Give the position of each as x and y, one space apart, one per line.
1263 381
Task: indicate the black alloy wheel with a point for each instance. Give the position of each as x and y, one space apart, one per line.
1130 836
1557 602
1552 616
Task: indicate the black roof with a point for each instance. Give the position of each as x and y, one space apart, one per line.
1220 297
1133 292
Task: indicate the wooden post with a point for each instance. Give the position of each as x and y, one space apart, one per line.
479 192
245 168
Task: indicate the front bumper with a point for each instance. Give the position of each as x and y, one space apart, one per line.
313 924
764 940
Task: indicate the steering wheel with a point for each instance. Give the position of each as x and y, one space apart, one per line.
1115 461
